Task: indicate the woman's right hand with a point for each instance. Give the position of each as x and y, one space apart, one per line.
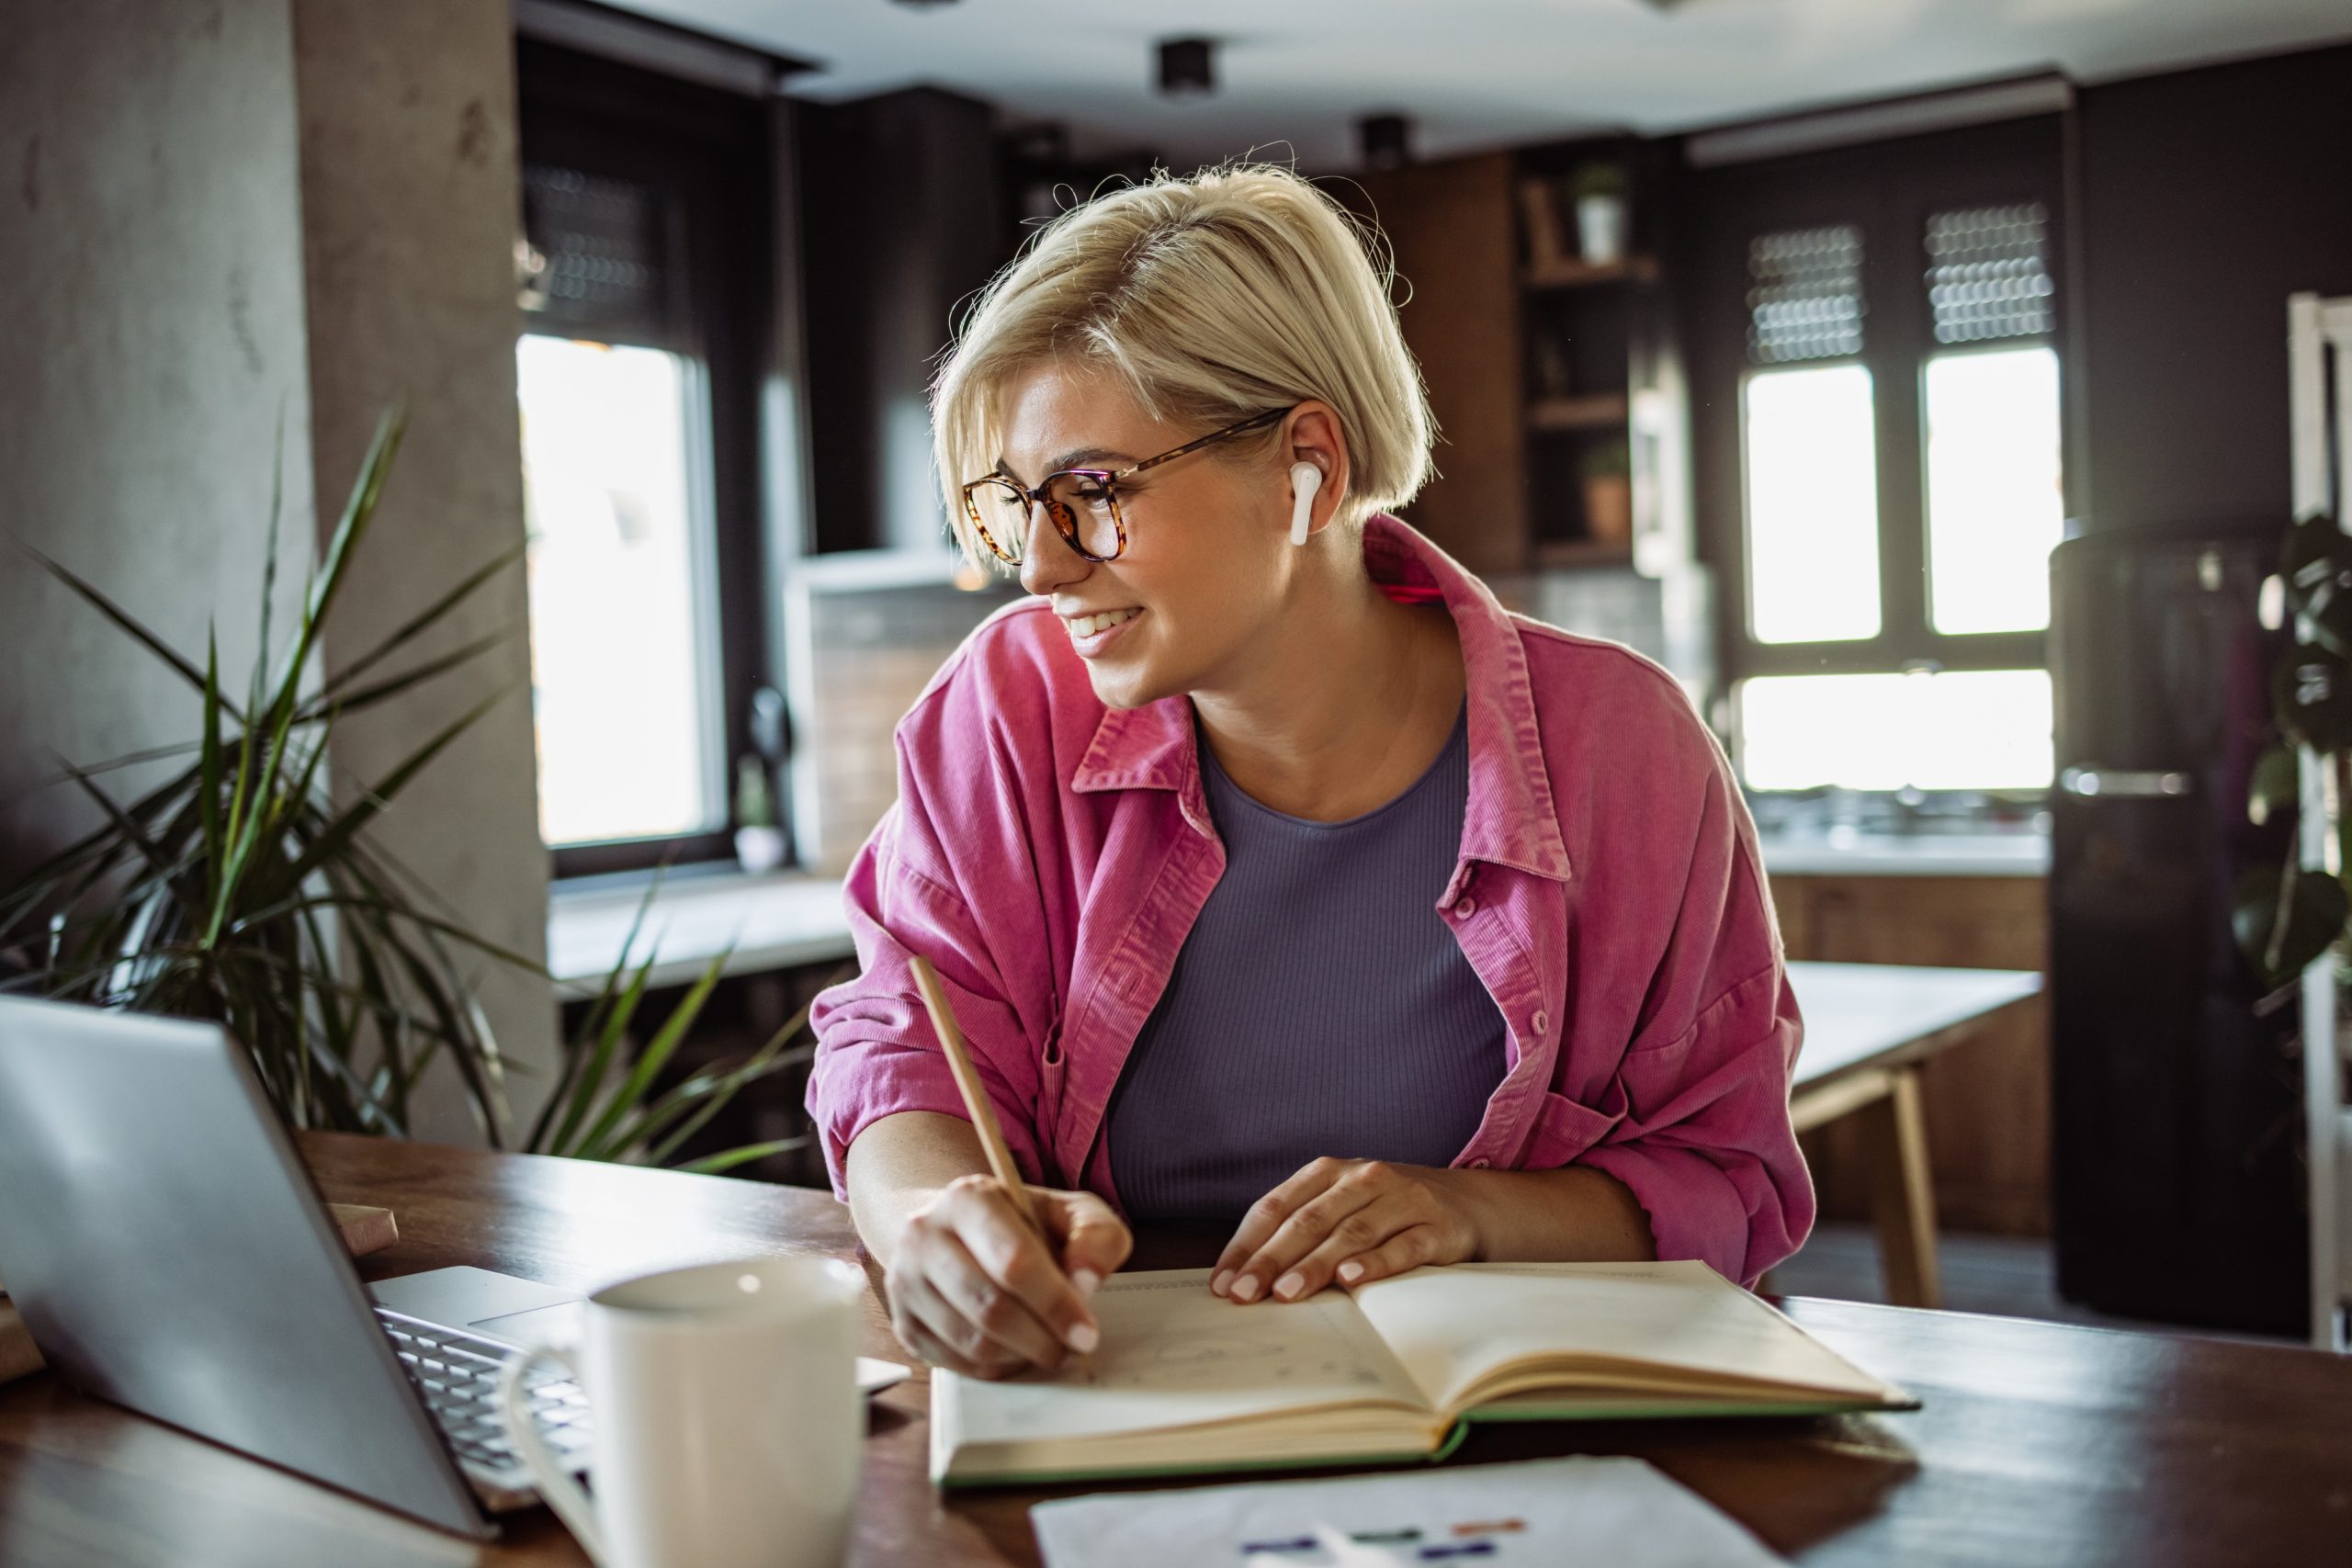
973 1290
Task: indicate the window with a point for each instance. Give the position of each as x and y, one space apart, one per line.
645 278
620 592
1995 500
1811 505
1881 462
1973 730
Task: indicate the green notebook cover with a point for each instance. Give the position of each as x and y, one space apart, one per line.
1453 1439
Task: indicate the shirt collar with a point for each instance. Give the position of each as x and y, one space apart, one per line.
1510 821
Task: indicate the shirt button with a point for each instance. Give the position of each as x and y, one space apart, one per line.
1466 908
1542 1022
1479 1165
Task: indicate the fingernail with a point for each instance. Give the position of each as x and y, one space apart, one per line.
1087 1281
1245 1288
1351 1271
1224 1278
1290 1285
1083 1338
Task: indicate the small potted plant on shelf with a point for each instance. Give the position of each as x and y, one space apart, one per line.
1609 493
759 841
1598 190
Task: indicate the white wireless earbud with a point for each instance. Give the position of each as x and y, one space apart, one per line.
1305 479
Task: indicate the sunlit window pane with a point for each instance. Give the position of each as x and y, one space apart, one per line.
1968 729
621 678
1811 505
1994 505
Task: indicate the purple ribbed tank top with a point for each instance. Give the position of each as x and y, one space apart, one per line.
1320 1006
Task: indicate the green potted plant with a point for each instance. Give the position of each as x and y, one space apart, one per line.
239 891
1606 469
612 1099
2287 915
759 841
1596 190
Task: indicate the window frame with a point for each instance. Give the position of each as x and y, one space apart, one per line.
712 151
1888 190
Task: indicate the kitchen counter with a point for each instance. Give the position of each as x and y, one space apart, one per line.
1853 853
785 919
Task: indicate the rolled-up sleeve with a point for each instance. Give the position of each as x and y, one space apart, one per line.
877 1053
1703 1138
1706 1147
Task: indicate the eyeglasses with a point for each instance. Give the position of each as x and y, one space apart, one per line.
1082 504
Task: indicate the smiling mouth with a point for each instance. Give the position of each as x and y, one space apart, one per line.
1083 626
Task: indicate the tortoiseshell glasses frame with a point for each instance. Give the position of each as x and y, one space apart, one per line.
1081 503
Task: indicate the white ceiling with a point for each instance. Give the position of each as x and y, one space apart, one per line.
1472 73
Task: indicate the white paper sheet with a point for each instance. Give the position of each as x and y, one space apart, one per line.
1621 1512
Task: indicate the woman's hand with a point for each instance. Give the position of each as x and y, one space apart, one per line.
1353 1220
974 1290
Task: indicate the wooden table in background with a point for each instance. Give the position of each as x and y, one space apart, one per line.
1869 1031
2038 1443
1987 1107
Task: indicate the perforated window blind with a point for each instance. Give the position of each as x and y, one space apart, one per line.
1988 273
1805 295
605 266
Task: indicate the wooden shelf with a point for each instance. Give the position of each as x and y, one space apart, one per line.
1573 274
1602 412
1575 555
1505 313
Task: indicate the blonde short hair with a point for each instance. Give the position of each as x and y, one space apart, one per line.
1211 297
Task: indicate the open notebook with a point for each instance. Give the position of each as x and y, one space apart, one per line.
1187 1381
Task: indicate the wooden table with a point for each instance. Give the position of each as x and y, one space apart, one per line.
1867 1029
2039 1444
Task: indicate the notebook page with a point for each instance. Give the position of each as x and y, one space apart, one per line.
1452 1326
1174 1354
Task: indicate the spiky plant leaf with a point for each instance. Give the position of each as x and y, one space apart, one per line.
238 891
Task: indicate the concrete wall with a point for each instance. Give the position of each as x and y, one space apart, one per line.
410 203
151 341
215 214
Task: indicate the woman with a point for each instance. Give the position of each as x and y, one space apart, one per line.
1282 881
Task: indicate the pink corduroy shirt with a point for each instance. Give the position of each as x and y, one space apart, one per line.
1049 854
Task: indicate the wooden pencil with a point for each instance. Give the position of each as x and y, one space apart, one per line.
982 1110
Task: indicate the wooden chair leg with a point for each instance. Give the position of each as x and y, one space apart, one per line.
1902 1195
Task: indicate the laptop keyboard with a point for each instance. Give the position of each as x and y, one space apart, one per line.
457 1375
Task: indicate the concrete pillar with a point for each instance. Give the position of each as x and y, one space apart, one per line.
151 342
410 195
217 215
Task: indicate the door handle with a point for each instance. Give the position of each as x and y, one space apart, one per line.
2139 784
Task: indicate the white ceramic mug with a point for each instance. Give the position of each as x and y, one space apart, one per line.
727 1428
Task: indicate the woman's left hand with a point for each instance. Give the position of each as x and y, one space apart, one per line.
1349 1220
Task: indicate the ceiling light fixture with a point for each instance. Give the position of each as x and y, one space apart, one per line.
1385 140
1187 67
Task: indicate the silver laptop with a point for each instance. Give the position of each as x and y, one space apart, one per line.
168 1251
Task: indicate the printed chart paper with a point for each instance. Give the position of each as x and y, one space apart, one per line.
1621 1512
